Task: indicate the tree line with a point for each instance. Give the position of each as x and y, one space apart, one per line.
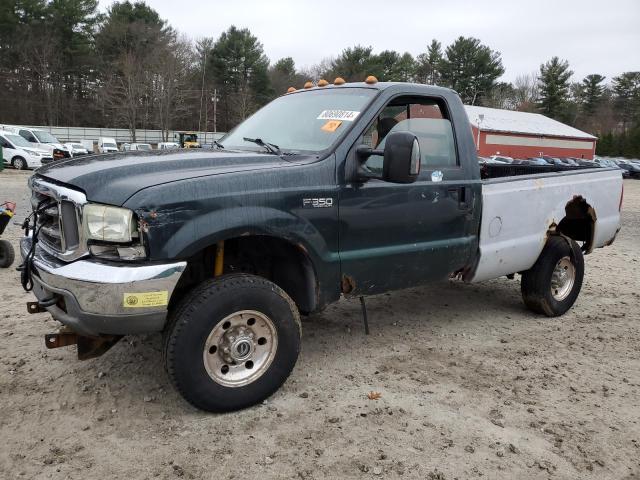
64 63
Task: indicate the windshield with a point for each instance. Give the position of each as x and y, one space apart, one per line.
109 145
308 122
19 141
144 146
45 137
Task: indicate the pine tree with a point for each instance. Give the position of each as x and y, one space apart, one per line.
428 64
471 69
554 86
591 91
240 72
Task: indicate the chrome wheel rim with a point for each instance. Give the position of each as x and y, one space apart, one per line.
562 279
240 348
18 164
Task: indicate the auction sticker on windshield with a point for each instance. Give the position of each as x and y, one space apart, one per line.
331 126
345 115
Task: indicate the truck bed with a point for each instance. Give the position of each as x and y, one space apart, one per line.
519 210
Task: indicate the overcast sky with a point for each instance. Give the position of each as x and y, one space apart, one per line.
595 36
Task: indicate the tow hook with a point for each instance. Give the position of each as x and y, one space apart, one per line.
88 347
41 305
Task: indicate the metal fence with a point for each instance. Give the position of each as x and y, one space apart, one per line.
121 135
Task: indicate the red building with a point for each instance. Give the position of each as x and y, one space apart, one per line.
523 135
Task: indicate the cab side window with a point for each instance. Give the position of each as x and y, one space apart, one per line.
4 143
427 118
28 136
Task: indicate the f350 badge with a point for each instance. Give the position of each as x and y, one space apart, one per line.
317 202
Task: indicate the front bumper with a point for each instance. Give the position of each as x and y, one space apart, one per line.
104 298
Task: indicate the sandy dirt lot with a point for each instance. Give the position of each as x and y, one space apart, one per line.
472 386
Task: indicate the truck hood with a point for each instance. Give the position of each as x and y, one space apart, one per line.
113 178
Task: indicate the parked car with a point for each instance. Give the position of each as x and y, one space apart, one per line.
501 158
107 145
570 161
538 161
136 147
585 163
223 256
20 154
76 149
41 139
607 162
561 162
87 144
631 168
168 146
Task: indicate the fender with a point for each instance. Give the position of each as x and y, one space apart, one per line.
179 232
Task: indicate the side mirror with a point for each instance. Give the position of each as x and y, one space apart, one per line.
401 158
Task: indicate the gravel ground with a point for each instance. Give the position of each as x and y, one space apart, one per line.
471 385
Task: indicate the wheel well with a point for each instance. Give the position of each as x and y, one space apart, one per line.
280 261
579 222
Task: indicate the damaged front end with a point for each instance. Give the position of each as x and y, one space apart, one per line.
78 261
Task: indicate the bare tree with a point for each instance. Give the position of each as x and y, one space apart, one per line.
170 82
125 90
323 69
526 92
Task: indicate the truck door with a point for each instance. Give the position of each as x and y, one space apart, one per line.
398 235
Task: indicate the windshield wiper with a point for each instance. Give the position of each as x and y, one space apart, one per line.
218 144
269 146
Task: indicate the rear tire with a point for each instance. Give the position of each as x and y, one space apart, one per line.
553 284
19 163
232 342
7 254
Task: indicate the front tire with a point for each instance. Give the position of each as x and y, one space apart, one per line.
7 254
232 342
553 284
19 163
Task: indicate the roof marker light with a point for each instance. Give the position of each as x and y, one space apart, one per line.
291 89
339 81
322 83
308 85
371 80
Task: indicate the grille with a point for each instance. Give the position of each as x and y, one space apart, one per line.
59 222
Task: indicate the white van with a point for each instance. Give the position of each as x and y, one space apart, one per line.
107 145
19 153
168 146
136 147
41 139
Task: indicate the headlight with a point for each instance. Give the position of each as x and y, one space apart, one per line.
111 224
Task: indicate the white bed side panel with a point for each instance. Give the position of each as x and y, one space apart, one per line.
517 214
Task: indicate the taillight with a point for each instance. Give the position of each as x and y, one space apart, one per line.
621 197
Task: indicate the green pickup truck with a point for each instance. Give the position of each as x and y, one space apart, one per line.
336 190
